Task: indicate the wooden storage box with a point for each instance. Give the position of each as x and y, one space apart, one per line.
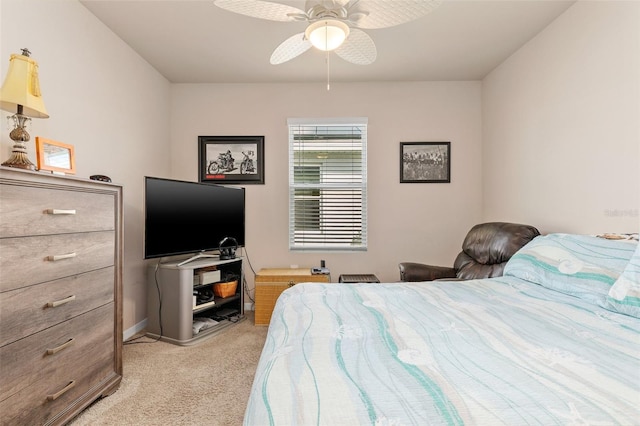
270 283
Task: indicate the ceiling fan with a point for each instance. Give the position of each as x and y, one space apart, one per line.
334 25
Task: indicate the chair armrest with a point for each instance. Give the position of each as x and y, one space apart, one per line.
410 271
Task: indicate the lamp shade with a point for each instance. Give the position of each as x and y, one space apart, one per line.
22 87
327 34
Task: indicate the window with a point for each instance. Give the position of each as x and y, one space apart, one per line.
327 184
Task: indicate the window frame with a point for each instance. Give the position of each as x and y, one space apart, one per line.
343 234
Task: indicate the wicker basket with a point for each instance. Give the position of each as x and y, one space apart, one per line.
225 289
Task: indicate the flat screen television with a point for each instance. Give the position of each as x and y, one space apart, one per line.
190 218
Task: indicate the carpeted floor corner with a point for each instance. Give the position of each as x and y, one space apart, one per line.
163 384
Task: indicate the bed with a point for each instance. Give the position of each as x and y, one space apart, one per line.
555 341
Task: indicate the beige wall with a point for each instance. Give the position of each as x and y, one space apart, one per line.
568 100
561 124
406 221
103 99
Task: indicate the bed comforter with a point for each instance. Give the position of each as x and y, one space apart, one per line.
500 351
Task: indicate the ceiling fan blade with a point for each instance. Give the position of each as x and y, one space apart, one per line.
329 4
358 48
290 48
261 9
373 14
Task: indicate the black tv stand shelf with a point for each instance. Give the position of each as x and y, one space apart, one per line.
218 302
173 284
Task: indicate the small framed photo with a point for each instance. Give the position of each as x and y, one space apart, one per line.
54 156
231 159
425 162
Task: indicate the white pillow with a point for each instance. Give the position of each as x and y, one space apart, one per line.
583 266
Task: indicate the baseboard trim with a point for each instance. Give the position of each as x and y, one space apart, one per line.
132 331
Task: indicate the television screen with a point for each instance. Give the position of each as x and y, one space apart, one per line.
188 217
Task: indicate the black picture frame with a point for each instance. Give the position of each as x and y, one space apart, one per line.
235 160
425 162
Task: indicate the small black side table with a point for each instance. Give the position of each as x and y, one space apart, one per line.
358 278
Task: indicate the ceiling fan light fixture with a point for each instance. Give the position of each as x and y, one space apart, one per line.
327 34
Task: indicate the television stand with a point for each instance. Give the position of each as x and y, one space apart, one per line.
172 308
195 257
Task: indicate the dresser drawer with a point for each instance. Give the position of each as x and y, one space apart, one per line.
83 353
31 309
40 211
30 260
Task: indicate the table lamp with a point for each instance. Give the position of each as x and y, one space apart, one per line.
20 93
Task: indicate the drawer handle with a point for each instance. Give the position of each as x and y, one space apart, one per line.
61 256
61 302
60 211
58 394
59 348
291 283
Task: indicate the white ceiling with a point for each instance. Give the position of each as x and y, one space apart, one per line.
194 41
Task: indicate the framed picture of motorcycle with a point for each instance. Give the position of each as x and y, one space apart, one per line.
236 160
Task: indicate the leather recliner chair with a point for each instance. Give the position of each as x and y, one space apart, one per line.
485 250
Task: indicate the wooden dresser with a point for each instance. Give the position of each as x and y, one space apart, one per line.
60 295
270 283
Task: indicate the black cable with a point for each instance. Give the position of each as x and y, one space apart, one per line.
134 341
244 280
249 261
155 276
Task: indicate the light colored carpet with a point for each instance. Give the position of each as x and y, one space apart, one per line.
164 384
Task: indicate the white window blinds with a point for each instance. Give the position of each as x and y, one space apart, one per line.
327 184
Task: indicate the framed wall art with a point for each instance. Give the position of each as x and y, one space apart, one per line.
231 159
54 156
425 162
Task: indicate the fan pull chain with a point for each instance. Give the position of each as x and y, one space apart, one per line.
326 43
328 83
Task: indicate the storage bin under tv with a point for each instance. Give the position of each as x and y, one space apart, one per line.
172 320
